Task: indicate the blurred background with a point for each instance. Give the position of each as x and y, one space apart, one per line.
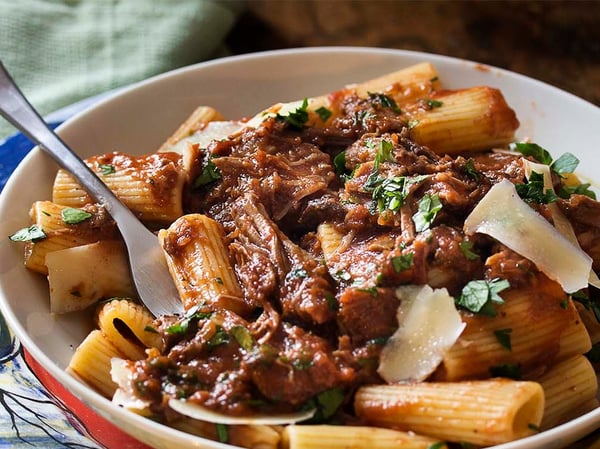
556 41
63 51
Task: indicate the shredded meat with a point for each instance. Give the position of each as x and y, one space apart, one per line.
323 309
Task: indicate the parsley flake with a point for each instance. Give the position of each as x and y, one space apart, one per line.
298 118
466 247
243 337
210 173
106 169
508 370
385 101
385 152
31 234
403 262
429 206
71 215
503 337
534 192
323 113
579 189
480 296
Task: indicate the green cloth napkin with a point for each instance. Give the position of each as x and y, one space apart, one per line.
62 51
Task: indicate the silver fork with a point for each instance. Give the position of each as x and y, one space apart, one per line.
148 268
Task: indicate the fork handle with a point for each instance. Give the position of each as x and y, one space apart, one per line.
15 108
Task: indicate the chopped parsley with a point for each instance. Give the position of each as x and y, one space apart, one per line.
222 432
412 123
296 273
210 173
326 404
579 189
220 337
385 101
534 150
431 104
466 247
566 163
534 192
370 290
503 337
403 262
298 118
33 233
106 169
438 445
193 314
243 337
339 165
71 215
392 192
341 275
429 206
584 299
332 302
480 296
508 370
385 152
471 170
323 113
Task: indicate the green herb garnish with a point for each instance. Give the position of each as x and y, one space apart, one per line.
106 169
429 206
403 262
71 215
392 192
579 189
466 247
503 337
385 101
480 296
243 337
31 234
298 118
210 173
323 113
508 370
534 191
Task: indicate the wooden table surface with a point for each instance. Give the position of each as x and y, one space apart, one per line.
555 41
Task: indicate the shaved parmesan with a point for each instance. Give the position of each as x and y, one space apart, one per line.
428 325
501 214
124 396
561 223
197 411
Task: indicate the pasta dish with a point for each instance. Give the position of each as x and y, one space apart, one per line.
380 266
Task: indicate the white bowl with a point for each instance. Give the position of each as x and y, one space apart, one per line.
139 118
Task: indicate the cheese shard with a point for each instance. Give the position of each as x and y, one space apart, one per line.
197 411
503 215
428 325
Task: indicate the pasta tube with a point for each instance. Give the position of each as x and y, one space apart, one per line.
92 361
470 119
128 326
568 386
48 216
199 263
151 186
483 412
353 437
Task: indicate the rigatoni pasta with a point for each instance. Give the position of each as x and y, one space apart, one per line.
294 239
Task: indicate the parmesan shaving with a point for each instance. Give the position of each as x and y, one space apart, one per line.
503 215
197 411
428 325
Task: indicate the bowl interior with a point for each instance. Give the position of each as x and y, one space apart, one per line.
140 117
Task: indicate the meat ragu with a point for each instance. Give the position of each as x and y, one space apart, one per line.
382 256
318 317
